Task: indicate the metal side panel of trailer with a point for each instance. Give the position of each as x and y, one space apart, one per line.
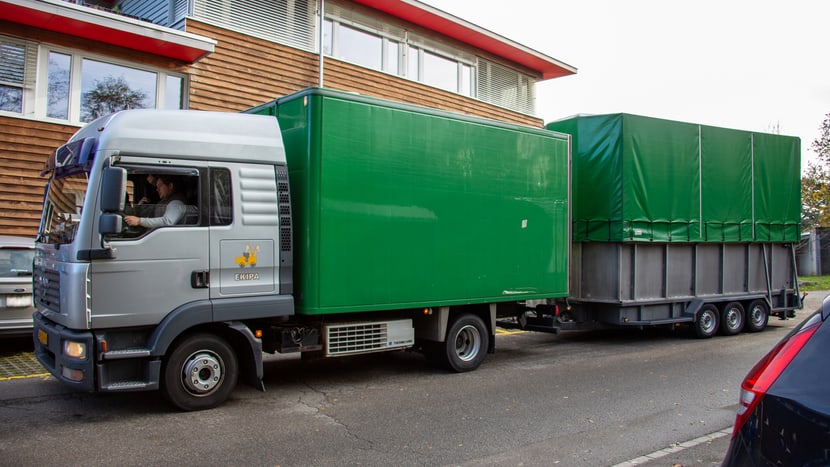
660 283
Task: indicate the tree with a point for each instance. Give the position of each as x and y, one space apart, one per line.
815 184
110 95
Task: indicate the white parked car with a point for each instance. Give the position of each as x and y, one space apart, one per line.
16 307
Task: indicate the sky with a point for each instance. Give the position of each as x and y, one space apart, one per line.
752 65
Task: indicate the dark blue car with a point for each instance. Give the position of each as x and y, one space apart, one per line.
784 412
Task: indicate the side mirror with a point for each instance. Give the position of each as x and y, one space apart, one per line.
109 224
113 189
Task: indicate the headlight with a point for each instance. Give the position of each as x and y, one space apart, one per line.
74 349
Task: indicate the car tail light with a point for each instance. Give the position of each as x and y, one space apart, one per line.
769 368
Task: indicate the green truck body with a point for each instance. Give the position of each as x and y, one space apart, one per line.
398 206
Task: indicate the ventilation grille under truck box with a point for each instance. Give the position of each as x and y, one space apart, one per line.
355 338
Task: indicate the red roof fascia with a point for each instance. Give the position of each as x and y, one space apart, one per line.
458 31
89 30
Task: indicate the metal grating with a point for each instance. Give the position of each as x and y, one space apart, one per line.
284 203
347 339
20 365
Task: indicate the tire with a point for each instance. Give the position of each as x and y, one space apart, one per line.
757 316
465 348
200 372
732 319
706 322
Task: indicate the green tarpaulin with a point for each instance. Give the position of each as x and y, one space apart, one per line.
646 179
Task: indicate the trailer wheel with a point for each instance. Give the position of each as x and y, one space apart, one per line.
757 316
465 347
200 373
732 319
706 323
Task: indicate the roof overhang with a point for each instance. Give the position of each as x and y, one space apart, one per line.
468 33
109 28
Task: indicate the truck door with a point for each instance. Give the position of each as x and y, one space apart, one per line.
156 263
244 227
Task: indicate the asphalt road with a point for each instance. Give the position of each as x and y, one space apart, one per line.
657 397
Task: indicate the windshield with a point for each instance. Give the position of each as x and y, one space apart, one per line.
62 211
16 262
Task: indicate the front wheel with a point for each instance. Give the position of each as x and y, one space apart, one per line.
200 373
757 316
706 323
732 319
465 348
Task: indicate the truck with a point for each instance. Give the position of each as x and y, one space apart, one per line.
331 224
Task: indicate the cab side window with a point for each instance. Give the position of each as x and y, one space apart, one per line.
221 199
158 198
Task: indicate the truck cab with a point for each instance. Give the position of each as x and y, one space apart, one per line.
113 299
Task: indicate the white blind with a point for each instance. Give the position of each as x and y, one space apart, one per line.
505 87
288 22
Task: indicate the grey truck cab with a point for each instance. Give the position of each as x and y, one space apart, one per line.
112 299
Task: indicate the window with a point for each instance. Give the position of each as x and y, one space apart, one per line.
57 96
16 262
360 47
289 22
79 88
108 88
351 37
12 72
221 201
440 72
160 197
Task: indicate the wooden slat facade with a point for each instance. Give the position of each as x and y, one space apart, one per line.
25 145
245 71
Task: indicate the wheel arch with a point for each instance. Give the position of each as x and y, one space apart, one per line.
434 326
197 317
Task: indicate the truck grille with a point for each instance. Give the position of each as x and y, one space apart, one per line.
46 288
355 338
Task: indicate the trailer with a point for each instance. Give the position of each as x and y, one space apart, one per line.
676 222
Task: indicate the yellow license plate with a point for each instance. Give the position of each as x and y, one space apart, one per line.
42 337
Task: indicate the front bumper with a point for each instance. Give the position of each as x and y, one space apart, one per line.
49 341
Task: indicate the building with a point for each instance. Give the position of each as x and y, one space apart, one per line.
63 63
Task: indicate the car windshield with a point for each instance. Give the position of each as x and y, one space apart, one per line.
16 262
62 210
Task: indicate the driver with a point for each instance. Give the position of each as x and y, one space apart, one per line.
170 210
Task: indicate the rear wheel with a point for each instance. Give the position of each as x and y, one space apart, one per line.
706 323
757 316
200 373
732 318
465 348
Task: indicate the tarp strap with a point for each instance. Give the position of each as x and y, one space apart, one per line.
700 174
752 179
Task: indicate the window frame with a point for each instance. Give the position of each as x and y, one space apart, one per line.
40 93
409 47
